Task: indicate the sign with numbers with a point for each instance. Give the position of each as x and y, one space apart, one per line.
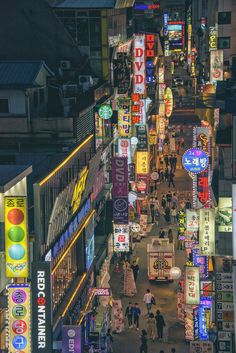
16 236
19 318
195 160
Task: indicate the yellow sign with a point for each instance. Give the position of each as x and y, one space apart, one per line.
124 118
142 162
79 189
16 236
168 101
19 329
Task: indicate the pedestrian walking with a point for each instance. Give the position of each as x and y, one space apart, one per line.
160 323
188 205
143 348
169 198
163 201
135 268
161 175
129 314
109 342
149 300
166 160
167 174
156 203
151 327
174 163
157 215
170 235
167 214
182 142
171 179
152 211
177 148
137 313
173 214
175 200
161 233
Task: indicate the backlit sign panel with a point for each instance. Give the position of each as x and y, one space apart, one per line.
225 214
120 176
121 237
79 189
192 285
124 118
176 35
71 339
195 160
139 67
142 162
16 236
207 231
124 148
19 330
213 38
168 99
217 65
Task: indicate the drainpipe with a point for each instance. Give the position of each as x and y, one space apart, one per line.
27 95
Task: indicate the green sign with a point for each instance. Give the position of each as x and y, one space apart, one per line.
105 111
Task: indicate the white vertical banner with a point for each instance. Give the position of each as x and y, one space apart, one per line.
207 231
139 66
216 68
192 285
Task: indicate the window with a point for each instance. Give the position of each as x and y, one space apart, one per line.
224 18
224 43
36 102
41 95
95 33
4 105
82 31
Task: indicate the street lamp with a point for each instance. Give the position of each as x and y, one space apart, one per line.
175 272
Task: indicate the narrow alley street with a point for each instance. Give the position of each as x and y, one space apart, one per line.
165 293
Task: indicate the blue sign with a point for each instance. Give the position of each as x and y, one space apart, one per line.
205 305
202 262
71 228
71 339
195 160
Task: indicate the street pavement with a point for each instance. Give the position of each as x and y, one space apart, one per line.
165 293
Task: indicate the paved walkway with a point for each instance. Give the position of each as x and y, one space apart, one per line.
165 293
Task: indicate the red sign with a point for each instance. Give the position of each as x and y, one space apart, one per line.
139 84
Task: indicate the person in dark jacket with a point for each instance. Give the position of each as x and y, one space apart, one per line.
143 348
171 179
129 312
137 313
160 324
166 159
135 268
188 204
167 214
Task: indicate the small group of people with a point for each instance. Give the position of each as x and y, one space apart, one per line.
169 203
162 234
133 313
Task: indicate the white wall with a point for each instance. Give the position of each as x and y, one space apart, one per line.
16 101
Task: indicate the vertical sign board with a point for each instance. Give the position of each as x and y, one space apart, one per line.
71 339
121 237
192 225
207 231
216 65
203 347
120 176
139 67
124 148
16 236
19 330
234 146
192 285
225 214
41 308
124 118
142 162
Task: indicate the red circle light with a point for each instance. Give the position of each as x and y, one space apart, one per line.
15 216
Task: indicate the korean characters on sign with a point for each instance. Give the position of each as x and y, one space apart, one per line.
207 231
181 225
192 285
142 162
16 236
121 237
124 118
138 110
139 67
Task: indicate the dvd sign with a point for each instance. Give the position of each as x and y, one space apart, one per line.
41 308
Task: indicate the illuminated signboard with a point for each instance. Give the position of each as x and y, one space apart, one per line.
71 339
168 99
150 55
19 330
207 231
16 236
192 285
121 237
192 225
141 134
139 67
124 118
213 32
41 308
89 243
202 262
225 214
195 160
119 176
176 35
203 347
124 148
79 189
201 139
105 111
204 311
201 190
166 37
181 224
217 65
142 162
144 7
138 110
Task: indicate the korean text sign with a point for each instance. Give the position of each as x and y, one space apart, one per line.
16 237
121 237
124 118
192 285
207 231
195 160
139 67
19 318
142 163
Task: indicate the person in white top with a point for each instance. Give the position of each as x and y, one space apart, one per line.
149 300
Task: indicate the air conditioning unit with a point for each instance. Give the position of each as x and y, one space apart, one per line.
86 82
69 106
65 64
70 90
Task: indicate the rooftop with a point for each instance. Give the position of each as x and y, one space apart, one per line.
21 73
85 4
12 174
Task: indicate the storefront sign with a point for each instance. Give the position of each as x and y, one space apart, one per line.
213 32
89 243
192 225
142 162
71 228
41 308
124 148
224 217
181 224
141 133
204 317
202 262
201 190
16 236
131 172
150 55
201 139
180 306
102 292
168 98
124 118
79 189
105 111
207 231
142 183
191 323
19 322
119 176
139 67
201 347
138 110
121 73
121 237
120 210
143 222
71 339
217 65
192 285
195 160
176 35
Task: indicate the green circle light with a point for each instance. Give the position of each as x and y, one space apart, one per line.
105 111
16 234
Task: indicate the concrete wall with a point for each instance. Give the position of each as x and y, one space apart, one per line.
16 100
